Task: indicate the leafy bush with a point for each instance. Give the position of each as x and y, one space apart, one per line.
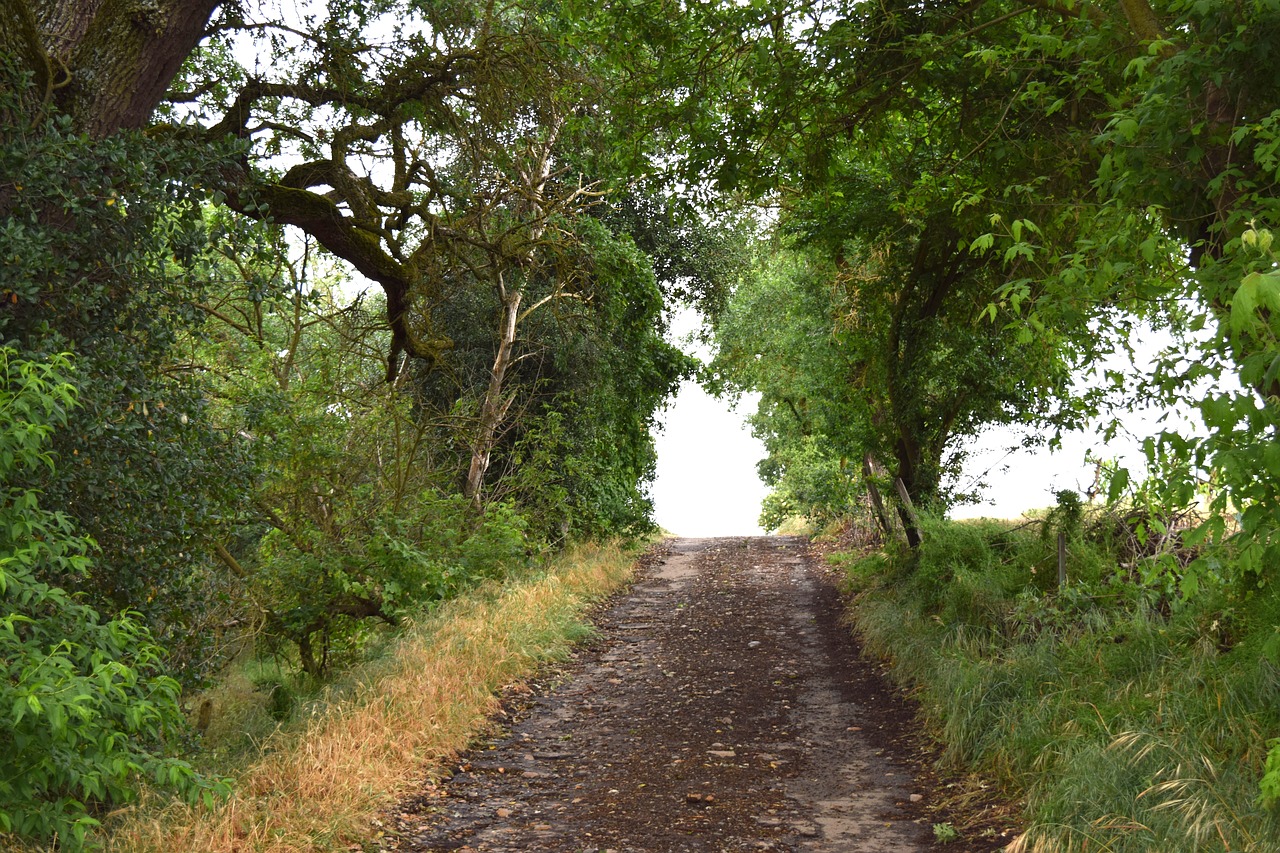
812 482
85 706
102 251
421 550
1127 724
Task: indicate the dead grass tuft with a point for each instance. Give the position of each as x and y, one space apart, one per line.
320 784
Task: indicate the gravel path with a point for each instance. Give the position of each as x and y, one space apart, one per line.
724 707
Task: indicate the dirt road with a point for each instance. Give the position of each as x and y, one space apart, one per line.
723 708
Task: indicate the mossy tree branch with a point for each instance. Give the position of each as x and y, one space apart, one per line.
357 244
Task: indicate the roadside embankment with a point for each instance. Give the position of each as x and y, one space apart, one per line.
319 783
1129 720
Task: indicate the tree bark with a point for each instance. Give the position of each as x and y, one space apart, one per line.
64 23
111 60
494 408
123 57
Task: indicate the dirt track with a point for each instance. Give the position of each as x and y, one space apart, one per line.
723 708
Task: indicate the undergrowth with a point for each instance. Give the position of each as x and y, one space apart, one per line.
315 766
1129 720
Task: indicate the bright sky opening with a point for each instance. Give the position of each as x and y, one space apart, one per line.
707 483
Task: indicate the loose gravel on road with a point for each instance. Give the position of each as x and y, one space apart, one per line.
724 706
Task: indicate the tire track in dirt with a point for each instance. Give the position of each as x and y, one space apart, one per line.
723 707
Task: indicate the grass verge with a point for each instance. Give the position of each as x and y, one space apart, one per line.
1127 723
320 781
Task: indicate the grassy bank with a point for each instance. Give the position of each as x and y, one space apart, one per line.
1128 721
318 781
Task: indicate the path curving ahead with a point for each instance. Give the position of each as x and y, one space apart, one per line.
723 708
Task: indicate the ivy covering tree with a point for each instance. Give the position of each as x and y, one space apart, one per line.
104 244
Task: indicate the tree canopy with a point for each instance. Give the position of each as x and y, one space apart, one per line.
905 223
1100 164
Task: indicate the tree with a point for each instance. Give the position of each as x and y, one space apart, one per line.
1172 110
810 416
899 208
105 65
487 122
443 102
351 519
448 98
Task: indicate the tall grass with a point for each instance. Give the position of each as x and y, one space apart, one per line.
1128 725
320 781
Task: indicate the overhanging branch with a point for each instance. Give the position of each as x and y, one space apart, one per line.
347 239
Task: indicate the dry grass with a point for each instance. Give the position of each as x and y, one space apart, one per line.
318 787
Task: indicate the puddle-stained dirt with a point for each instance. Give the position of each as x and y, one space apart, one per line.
722 708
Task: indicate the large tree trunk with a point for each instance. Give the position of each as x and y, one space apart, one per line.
106 63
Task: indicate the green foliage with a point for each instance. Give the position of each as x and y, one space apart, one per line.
856 354
543 422
1183 151
87 709
808 482
1077 158
1066 517
945 833
103 245
1269 784
1238 448
1124 725
924 222
575 451
809 417
356 515
427 550
351 519
623 371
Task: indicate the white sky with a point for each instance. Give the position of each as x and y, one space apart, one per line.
1026 478
707 484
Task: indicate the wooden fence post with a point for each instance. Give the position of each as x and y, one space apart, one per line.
868 470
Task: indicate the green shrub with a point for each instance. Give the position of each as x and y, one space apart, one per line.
427 549
85 705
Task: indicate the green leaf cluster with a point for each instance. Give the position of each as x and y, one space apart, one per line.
87 711
103 251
